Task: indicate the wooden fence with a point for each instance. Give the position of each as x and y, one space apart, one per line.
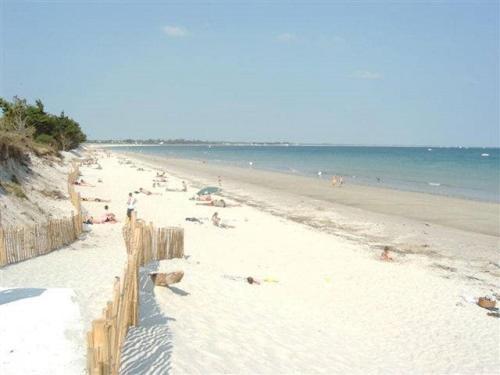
156 243
21 243
107 335
74 197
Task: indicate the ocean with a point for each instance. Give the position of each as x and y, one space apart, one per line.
471 173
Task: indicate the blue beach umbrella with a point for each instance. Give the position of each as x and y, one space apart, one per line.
208 190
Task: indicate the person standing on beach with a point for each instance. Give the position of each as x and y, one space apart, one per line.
130 205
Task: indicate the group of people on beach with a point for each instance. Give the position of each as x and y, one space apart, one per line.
106 217
337 181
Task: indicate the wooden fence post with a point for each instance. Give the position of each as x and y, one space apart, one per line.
3 249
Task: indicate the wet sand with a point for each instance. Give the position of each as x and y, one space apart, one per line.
456 235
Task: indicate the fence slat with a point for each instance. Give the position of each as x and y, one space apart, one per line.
22 243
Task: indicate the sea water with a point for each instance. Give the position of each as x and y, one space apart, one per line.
472 173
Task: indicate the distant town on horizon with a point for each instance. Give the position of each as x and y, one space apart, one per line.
198 142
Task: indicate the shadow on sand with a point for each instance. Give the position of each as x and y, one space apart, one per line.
12 295
148 347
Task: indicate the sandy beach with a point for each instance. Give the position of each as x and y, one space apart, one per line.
325 302
242 187
330 305
449 234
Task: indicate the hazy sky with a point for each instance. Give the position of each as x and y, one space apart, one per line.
374 72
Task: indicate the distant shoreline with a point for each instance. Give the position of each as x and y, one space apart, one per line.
465 214
431 184
284 144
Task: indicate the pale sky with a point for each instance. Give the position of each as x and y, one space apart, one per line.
374 72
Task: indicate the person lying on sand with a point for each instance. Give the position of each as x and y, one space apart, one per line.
385 255
147 192
251 280
160 174
215 202
95 200
107 219
194 220
204 198
83 183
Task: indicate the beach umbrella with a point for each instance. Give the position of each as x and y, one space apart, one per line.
208 190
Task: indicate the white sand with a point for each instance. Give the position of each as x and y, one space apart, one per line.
334 309
36 330
87 268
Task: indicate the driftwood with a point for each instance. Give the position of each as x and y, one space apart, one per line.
486 303
165 279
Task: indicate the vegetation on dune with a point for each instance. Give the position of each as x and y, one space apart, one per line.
25 125
14 188
28 129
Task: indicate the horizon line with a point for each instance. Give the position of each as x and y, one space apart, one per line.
143 142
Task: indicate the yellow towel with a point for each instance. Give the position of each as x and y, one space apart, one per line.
270 280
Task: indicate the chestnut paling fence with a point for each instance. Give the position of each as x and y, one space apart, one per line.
21 243
144 244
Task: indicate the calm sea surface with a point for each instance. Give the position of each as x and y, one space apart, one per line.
472 173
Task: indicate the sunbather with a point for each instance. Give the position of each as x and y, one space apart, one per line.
95 200
251 280
204 198
215 202
147 192
385 255
82 183
108 217
194 220
216 220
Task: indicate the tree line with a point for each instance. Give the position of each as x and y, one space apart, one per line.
32 121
